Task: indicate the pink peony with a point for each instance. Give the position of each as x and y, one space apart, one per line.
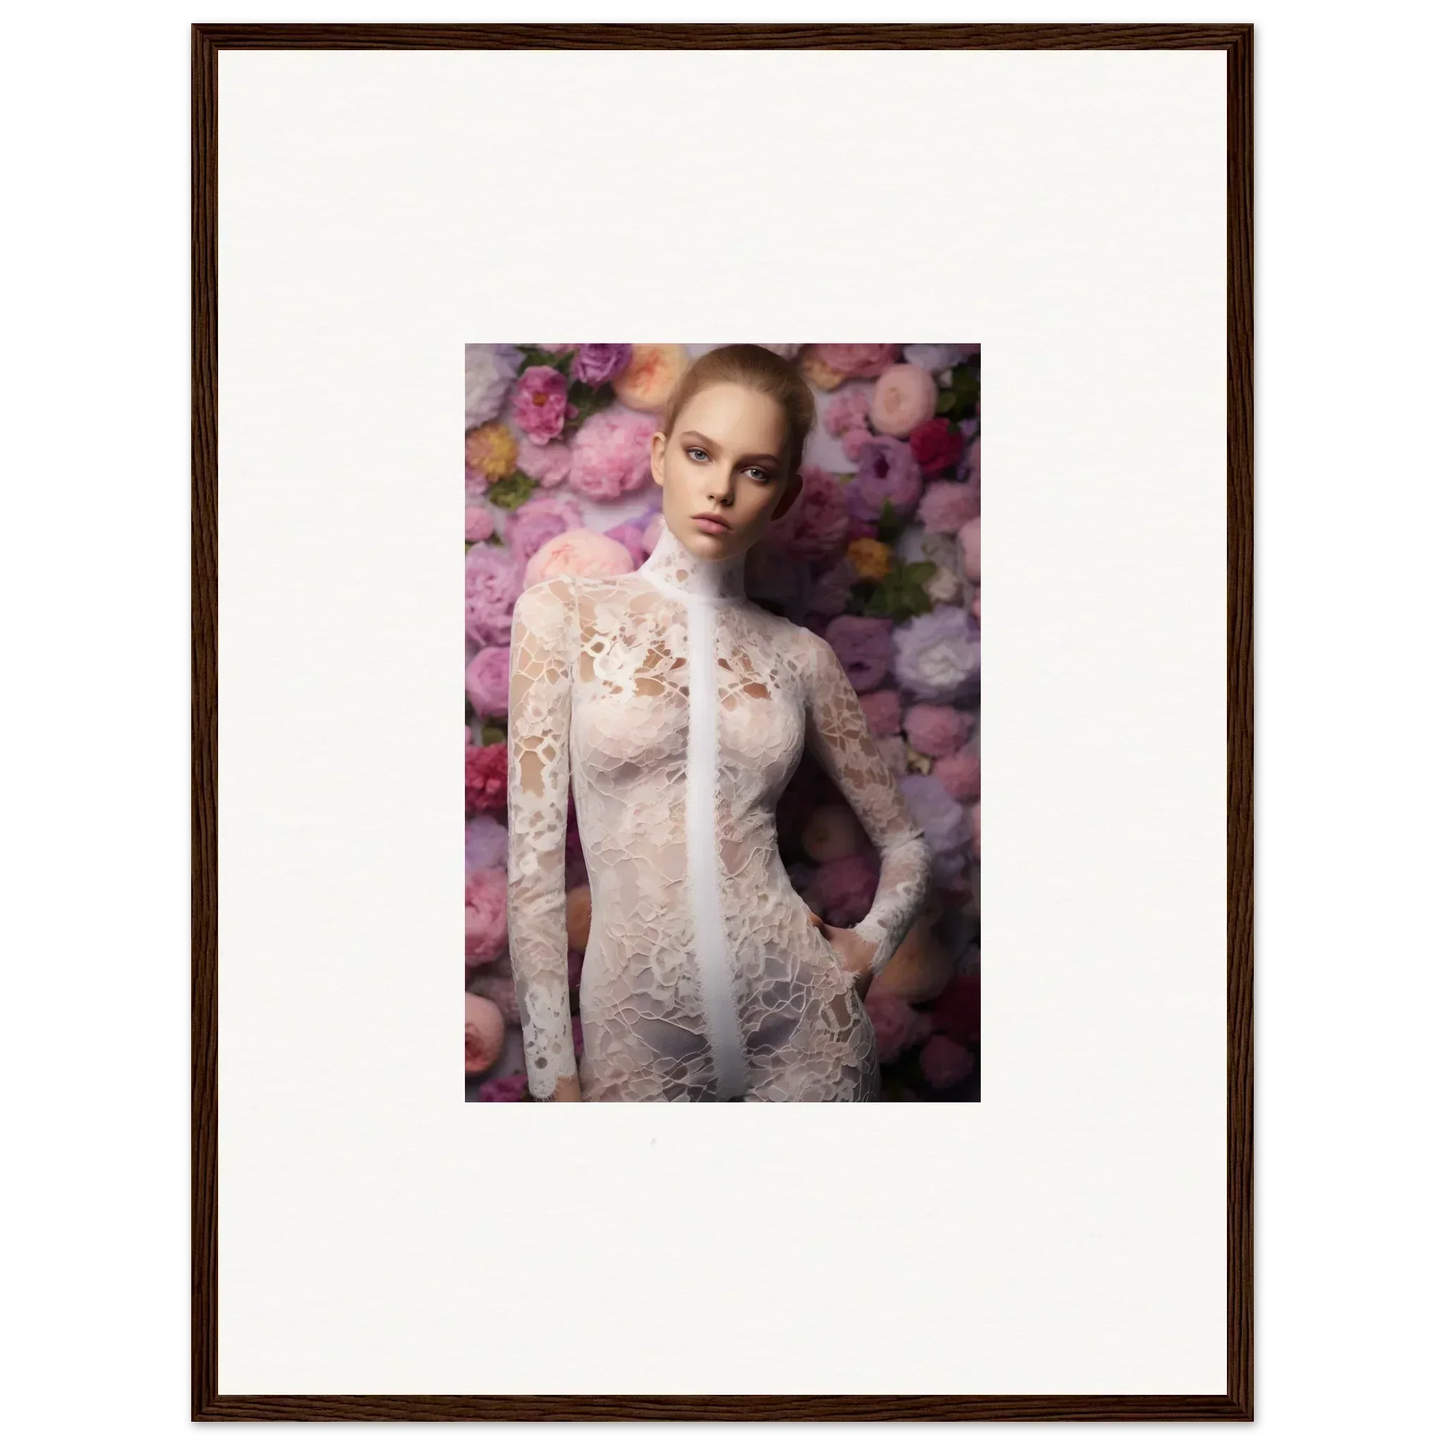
494 581
630 535
935 728
600 361
944 1062
904 397
486 842
832 832
486 1033
862 645
538 520
548 466
508 1089
883 711
479 524
959 773
848 411
486 786
540 408
842 889
489 676
856 358
936 446
816 525
897 1024
578 554
968 537
612 454
486 903
946 506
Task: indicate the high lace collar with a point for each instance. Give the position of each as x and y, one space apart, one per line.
673 568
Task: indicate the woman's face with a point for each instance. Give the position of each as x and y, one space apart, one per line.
724 459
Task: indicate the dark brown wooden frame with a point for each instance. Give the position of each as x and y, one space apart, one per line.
1237 41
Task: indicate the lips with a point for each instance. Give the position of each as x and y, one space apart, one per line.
707 519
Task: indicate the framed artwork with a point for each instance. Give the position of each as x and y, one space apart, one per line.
714 831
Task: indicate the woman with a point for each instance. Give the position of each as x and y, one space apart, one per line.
678 710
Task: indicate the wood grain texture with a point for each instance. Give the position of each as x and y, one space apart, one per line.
1237 1403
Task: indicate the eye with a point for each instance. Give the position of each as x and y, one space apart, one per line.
688 451
764 475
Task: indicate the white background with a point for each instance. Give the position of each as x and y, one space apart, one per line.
374 216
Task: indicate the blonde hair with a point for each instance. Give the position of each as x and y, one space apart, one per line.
761 370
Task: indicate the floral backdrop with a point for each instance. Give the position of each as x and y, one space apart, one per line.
879 555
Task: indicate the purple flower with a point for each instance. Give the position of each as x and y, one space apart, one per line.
486 843
947 827
936 655
539 404
494 582
830 588
887 472
863 646
816 525
490 371
595 363
629 533
540 519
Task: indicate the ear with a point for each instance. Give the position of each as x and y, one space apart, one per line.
795 485
659 447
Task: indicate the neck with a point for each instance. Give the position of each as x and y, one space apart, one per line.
673 568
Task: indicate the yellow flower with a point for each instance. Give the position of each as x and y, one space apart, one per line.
871 558
650 376
823 376
491 451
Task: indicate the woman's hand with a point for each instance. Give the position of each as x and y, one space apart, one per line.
568 1091
854 953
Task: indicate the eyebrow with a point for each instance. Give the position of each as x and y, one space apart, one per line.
709 442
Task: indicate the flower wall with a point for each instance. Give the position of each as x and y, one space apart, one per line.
879 555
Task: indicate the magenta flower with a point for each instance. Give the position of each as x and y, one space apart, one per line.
539 404
815 527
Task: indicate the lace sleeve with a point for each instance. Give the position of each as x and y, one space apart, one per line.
838 734
538 722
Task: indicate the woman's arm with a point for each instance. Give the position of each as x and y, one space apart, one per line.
538 770
838 734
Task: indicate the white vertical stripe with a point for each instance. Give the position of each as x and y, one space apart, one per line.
710 940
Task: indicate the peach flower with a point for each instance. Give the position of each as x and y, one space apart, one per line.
856 358
871 558
819 372
486 1033
491 451
650 377
831 832
903 399
579 916
578 553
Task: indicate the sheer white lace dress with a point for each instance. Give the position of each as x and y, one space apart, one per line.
677 710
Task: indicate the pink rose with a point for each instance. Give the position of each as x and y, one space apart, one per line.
479 524
857 358
936 446
897 1025
578 553
539 404
816 525
944 1062
904 397
947 506
959 774
884 712
489 677
612 454
935 729
486 912
969 538
831 832
548 466
486 1033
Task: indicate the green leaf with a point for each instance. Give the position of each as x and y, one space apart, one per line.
890 524
917 571
491 733
511 491
946 403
